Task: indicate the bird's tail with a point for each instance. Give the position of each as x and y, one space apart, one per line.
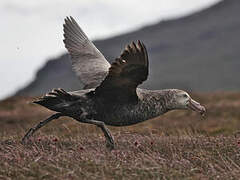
56 100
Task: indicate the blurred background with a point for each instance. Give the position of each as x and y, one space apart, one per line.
193 45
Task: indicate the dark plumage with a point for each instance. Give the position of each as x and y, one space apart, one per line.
111 95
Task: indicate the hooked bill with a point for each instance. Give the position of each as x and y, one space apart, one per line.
195 106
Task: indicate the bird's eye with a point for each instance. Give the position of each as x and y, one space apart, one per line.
185 96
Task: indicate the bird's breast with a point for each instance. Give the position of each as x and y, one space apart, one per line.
124 115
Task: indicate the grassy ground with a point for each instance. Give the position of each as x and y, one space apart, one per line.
178 145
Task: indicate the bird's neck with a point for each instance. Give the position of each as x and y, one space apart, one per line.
154 102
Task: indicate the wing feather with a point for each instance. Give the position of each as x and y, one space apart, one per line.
125 74
88 63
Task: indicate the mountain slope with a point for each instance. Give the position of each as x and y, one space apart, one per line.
199 52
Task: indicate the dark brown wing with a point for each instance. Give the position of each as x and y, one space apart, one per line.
125 74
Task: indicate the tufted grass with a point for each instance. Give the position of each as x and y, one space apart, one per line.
178 145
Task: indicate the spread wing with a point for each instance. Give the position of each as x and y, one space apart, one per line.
88 63
125 74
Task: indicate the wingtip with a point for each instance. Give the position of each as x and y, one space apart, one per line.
68 19
133 44
72 18
140 43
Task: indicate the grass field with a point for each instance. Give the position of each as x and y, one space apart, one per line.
178 145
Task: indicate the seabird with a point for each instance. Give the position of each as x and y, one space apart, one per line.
110 95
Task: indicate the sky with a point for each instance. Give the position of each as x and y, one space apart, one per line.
31 30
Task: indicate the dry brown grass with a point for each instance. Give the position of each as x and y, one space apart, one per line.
178 145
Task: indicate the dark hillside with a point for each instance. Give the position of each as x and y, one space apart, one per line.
199 52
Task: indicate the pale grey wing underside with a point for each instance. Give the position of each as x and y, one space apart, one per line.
88 62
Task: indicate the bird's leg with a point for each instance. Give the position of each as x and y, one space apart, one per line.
106 131
41 124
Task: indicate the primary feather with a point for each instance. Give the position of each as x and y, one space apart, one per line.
125 74
88 62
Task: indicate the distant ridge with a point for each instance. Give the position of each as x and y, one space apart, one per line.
200 52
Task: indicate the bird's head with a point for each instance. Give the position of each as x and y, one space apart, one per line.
181 100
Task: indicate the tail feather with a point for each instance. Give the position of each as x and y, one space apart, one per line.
55 99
